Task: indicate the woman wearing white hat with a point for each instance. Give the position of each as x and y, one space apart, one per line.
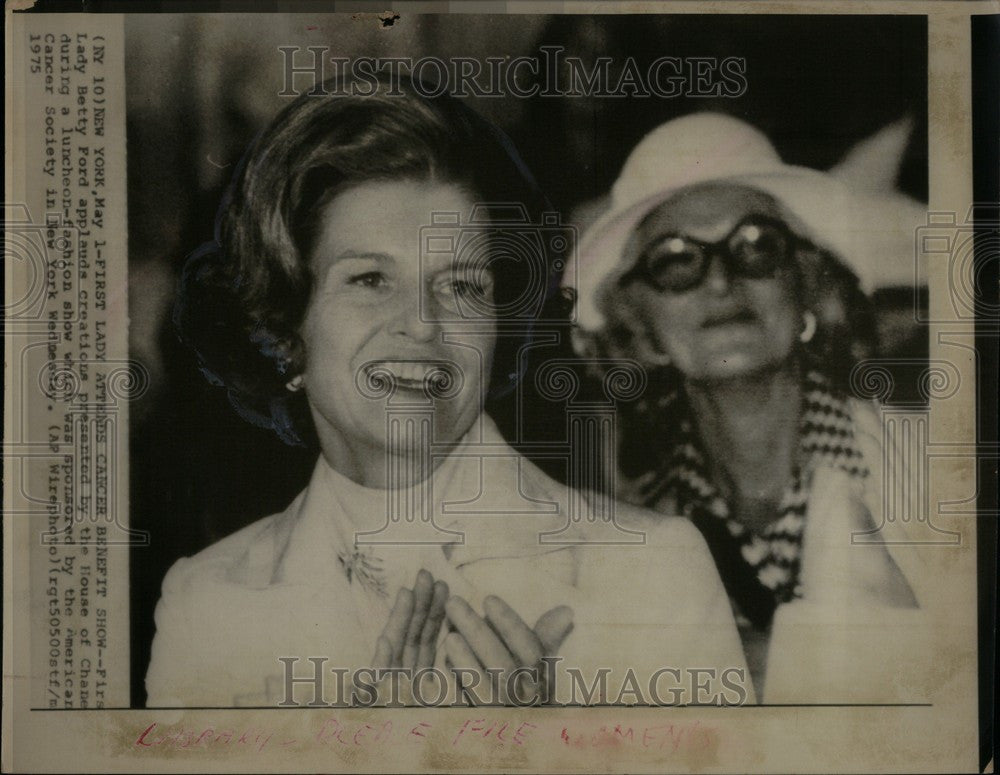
740 283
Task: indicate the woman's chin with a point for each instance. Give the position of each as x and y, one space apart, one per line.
446 421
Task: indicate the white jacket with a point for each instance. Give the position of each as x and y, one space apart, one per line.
829 646
276 589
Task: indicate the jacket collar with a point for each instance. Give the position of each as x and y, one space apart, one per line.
491 500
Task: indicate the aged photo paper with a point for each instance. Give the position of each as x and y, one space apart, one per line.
500 386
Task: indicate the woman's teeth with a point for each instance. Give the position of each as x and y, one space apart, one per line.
410 372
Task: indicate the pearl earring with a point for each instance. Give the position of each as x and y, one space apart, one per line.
810 327
295 384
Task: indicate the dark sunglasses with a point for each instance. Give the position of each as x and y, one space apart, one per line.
757 248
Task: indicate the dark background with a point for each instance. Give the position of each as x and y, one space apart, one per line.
200 88
986 190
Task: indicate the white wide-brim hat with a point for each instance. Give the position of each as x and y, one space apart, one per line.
874 241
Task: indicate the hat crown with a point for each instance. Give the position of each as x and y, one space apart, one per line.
692 149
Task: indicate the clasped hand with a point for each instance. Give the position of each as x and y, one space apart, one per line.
495 658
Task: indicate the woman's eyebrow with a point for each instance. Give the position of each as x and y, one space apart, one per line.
346 255
452 267
464 266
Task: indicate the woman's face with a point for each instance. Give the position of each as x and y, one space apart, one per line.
379 311
722 323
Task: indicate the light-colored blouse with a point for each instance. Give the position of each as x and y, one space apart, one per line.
295 584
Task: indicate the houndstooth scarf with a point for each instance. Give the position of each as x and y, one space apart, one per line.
759 570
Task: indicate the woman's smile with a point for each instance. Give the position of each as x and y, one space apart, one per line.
731 317
411 374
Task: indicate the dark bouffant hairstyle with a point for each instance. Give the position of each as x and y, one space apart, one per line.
243 295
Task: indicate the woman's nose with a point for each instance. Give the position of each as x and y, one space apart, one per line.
717 279
415 317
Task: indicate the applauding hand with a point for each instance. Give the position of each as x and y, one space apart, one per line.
409 639
509 648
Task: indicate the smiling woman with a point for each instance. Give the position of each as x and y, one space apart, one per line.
356 300
739 282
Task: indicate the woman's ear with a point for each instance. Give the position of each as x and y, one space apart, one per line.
821 284
643 336
650 351
626 333
845 328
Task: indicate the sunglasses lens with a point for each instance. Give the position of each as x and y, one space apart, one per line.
675 264
760 249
